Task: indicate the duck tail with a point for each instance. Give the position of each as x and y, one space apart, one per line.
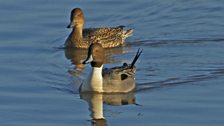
128 33
136 57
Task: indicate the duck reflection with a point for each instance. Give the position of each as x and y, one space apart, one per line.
96 101
76 56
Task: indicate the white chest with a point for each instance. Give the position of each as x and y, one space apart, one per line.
94 81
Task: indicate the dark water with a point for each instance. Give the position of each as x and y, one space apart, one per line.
180 75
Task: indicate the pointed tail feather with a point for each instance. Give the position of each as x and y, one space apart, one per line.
128 33
136 57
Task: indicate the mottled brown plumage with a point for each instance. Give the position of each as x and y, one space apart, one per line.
82 38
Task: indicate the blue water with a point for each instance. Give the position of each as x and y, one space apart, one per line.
180 74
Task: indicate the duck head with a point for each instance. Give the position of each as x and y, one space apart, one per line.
95 55
76 18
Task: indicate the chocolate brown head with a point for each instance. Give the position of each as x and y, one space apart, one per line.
76 18
95 55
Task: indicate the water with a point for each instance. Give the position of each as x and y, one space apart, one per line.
180 74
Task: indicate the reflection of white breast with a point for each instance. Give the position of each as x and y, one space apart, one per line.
96 106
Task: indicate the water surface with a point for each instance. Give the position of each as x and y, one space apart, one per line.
180 74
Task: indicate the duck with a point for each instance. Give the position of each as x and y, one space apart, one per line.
82 38
119 79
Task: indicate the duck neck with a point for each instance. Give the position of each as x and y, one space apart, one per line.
76 34
95 80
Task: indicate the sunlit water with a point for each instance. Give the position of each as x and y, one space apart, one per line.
180 74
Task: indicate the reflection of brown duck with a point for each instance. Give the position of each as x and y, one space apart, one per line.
96 101
78 55
82 38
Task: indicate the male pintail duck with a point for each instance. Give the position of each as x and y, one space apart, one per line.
117 79
82 38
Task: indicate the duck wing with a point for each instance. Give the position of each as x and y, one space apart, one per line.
121 78
108 37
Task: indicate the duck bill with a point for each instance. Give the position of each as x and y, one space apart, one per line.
88 60
71 25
